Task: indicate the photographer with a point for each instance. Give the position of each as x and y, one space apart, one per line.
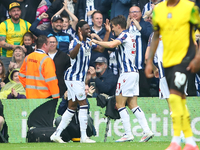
102 77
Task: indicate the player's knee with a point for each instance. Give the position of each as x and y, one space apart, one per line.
82 102
118 105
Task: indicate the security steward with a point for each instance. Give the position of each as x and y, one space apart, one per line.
38 73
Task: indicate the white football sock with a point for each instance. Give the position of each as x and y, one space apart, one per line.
83 119
176 139
139 114
66 118
125 120
190 140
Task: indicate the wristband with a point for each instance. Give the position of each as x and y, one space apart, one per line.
79 42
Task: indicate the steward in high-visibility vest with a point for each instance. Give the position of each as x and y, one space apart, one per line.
38 76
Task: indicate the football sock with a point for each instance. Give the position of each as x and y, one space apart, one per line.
83 119
186 125
66 118
175 102
190 141
125 120
186 120
139 114
176 139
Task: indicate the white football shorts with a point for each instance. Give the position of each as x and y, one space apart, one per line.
76 89
163 88
128 84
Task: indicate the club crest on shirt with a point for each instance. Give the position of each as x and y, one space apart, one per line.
80 95
169 15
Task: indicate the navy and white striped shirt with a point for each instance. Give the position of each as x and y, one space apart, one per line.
126 52
158 55
70 31
139 60
80 64
147 7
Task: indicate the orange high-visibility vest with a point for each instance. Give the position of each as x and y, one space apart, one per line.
38 76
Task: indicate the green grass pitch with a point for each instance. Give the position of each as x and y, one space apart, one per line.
82 146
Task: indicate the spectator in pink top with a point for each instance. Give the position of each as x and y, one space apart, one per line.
45 22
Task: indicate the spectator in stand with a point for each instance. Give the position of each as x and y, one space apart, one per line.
141 31
69 25
87 7
16 62
14 88
118 7
11 33
18 57
148 16
29 44
55 30
139 3
105 81
113 63
58 4
44 23
2 74
99 29
28 8
62 63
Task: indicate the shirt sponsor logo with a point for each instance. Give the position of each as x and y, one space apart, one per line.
33 60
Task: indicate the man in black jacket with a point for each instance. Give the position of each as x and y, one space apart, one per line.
105 81
55 30
28 8
62 62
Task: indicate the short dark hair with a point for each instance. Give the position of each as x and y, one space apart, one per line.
97 11
65 16
119 20
52 36
41 40
80 24
29 34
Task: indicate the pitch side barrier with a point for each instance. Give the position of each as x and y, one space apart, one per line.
156 111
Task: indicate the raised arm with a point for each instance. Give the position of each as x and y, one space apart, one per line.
74 18
101 48
33 27
73 53
58 13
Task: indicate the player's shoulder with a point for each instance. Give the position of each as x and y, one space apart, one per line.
160 5
125 33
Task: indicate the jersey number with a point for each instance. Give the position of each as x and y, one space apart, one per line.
180 79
